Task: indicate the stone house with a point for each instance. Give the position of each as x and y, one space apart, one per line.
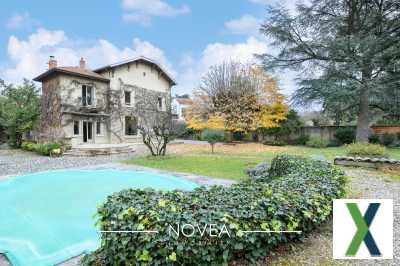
81 106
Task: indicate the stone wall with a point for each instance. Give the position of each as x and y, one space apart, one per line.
328 132
142 107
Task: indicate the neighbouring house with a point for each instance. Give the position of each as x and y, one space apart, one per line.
99 106
180 106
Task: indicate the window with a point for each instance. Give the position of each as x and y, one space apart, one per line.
127 97
160 103
130 126
87 95
76 127
98 128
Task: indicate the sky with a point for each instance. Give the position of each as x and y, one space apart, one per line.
185 36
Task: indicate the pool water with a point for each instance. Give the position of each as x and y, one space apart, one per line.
48 217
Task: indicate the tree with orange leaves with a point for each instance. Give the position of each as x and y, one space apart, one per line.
238 98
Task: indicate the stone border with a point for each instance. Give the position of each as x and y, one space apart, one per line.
366 162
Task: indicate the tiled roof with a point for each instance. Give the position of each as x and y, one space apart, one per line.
75 71
184 101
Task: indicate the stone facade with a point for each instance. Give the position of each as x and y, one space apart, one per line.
81 106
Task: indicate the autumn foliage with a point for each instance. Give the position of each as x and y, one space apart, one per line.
237 97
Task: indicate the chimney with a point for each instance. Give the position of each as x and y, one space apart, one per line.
82 63
52 62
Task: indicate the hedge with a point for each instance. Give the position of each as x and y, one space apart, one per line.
296 194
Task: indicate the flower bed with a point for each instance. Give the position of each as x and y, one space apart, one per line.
295 195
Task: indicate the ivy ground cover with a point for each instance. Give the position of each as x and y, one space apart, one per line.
294 195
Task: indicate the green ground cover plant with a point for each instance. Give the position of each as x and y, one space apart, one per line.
295 194
365 149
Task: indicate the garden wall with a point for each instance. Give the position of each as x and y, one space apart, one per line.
328 132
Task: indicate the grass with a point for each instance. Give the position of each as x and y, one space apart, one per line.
229 161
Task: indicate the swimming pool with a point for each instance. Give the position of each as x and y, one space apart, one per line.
48 217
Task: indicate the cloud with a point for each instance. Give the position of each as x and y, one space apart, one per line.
245 25
216 53
19 21
28 58
142 11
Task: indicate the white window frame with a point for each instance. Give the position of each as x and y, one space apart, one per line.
163 106
93 99
130 103
101 129
79 128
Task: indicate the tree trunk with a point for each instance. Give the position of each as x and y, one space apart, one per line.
363 111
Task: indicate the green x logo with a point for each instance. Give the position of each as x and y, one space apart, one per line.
363 233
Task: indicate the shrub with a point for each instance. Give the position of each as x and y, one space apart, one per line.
41 148
345 135
213 136
334 143
238 136
182 131
301 200
388 139
365 149
301 140
317 143
275 142
374 139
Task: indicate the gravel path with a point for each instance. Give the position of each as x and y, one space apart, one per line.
17 162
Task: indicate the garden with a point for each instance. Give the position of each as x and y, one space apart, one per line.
287 201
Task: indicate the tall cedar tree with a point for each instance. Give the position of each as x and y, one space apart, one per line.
346 49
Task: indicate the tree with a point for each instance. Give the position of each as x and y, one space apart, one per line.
332 41
237 97
155 124
19 110
212 136
290 125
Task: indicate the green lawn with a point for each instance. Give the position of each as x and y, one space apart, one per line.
230 162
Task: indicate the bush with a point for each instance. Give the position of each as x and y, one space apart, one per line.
317 143
388 139
43 149
345 135
238 136
301 140
213 136
182 131
374 139
334 143
275 142
300 200
365 149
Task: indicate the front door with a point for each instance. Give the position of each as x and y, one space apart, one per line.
87 131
